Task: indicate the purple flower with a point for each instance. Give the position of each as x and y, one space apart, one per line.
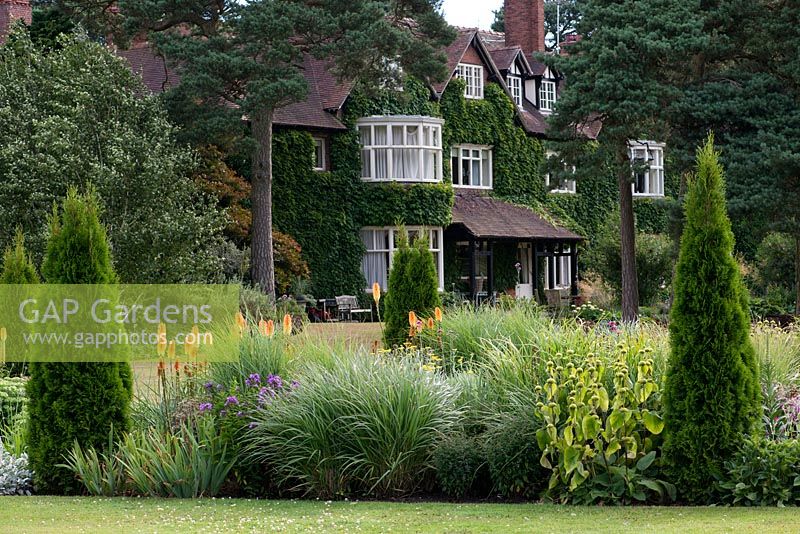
219 387
252 425
209 386
253 380
265 394
205 407
275 381
231 400
295 384
239 414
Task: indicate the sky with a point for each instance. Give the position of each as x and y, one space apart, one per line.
471 13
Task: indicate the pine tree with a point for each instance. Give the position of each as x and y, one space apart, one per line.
711 395
74 401
413 286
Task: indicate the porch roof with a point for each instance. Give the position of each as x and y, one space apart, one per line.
487 217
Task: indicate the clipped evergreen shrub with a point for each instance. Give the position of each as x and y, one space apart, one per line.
18 268
413 286
71 402
711 395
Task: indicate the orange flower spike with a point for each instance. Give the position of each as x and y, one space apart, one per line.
262 327
437 313
241 321
287 325
431 324
270 328
162 368
376 292
412 331
412 319
161 345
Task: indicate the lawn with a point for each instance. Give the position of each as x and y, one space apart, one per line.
65 514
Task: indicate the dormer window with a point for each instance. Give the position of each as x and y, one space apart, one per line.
547 95
515 86
647 161
473 76
401 148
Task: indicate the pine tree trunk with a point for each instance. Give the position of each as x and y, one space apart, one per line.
797 274
630 282
262 263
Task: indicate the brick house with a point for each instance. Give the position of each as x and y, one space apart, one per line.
462 160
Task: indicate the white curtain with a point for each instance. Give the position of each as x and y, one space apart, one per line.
381 160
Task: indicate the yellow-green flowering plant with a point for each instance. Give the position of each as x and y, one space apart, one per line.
601 446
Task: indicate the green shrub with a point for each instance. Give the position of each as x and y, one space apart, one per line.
74 401
413 286
18 268
711 397
655 258
461 468
775 265
363 426
763 473
513 457
601 444
12 398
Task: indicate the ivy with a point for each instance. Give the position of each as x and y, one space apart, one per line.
325 210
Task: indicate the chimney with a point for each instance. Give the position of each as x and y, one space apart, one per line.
524 21
11 10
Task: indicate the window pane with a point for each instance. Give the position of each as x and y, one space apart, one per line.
487 173
465 172
456 170
476 172
365 134
365 164
397 136
381 135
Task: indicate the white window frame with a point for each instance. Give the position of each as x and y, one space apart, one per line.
563 270
319 150
653 178
515 87
566 187
473 76
435 245
484 153
377 156
547 95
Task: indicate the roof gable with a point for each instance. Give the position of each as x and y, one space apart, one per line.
466 38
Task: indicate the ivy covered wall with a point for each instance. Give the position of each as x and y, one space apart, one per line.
325 210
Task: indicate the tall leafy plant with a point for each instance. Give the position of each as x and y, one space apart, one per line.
72 402
712 398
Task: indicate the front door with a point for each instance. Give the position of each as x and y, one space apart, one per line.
524 288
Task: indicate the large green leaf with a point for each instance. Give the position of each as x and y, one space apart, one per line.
590 426
646 461
572 457
653 422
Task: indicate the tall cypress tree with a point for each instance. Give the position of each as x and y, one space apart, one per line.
413 286
18 268
75 401
711 396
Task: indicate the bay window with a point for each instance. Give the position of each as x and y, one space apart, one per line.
381 244
471 166
401 148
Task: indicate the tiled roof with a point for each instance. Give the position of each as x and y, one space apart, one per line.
157 77
454 53
325 93
504 57
532 119
488 217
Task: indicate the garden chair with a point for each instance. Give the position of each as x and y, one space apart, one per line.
348 305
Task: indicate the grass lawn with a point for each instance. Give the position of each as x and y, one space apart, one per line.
85 514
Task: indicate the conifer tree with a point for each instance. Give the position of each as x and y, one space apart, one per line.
711 395
18 266
74 401
413 286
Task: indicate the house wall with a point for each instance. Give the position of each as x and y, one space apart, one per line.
471 57
11 10
324 211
